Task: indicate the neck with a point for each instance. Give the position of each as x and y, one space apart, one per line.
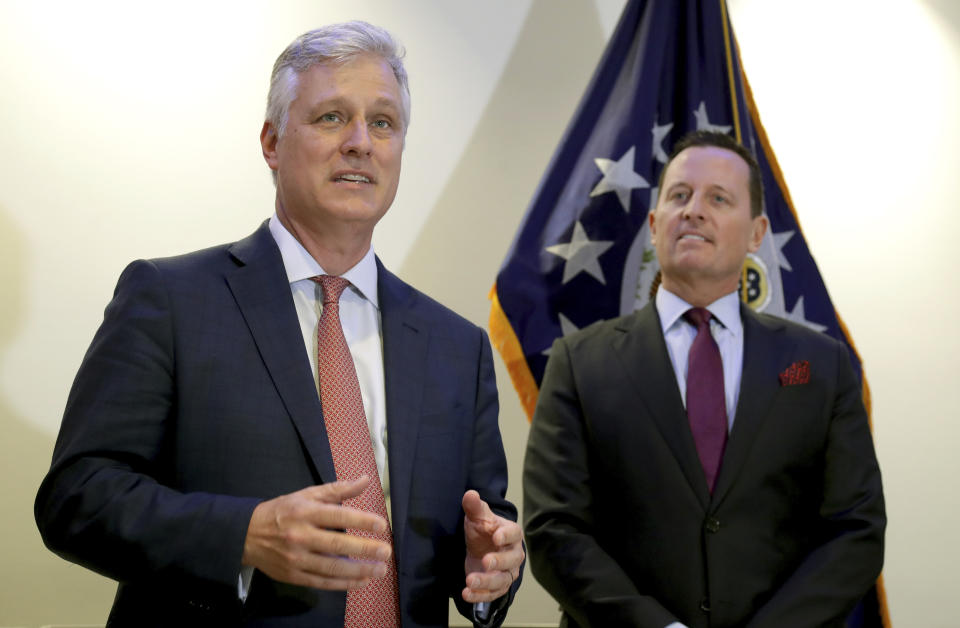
699 293
337 248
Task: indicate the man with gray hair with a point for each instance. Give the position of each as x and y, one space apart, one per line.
280 432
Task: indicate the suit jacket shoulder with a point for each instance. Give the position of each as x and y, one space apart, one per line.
397 295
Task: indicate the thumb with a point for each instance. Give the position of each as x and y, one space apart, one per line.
474 507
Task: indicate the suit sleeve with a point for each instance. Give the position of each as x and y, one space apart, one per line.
107 502
488 475
565 555
824 588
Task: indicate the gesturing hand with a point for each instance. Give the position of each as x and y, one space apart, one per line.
298 538
494 550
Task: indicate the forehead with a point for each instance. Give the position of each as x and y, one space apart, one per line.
707 165
366 76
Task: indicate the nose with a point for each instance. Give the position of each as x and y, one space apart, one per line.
357 138
693 210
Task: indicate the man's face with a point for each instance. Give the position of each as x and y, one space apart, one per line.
338 162
702 229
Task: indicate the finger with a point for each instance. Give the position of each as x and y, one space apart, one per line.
507 559
337 517
507 532
474 507
487 587
489 581
474 596
333 584
333 543
328 583
336 492
341 568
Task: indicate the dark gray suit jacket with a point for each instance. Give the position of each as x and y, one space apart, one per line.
620 525
196 401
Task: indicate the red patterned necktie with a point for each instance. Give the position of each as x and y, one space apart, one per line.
377 604
706 402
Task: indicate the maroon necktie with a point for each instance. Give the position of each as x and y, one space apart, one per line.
377 604
706 402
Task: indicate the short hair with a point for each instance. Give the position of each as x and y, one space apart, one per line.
722 140
335 43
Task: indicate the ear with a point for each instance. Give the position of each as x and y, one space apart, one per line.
268 142
759 227
652 219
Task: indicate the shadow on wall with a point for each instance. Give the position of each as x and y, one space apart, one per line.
460 249
948 11
36 586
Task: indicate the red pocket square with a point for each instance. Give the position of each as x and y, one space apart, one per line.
796 373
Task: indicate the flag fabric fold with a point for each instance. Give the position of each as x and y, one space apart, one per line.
583 251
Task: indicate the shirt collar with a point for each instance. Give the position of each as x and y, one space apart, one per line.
726 309
300 265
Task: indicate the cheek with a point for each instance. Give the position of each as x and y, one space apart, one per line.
392 154
391 168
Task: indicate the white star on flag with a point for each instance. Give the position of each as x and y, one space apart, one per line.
779 240
566 325
799 316
581 254
566 328
703 122
620 177
660 132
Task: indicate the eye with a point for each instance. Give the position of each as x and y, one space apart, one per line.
382 124
720 199
680 195
329 117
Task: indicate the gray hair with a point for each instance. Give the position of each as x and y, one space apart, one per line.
335 43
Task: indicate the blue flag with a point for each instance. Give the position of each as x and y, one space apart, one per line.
583 251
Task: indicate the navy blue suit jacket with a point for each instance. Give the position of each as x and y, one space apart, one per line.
196 401
621 528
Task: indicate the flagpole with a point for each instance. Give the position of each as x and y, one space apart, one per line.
733 85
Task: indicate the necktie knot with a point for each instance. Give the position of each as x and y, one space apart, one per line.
699 317
332 287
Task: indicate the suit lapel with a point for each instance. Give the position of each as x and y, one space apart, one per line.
262 292
643 354
762 355
405 346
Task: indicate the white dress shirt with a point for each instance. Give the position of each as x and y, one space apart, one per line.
360 319
726 327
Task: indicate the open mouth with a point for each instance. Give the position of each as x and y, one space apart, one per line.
353 178
693 236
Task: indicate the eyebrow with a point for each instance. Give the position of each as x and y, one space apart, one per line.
677 184
338 102
711 187
728 192
389 103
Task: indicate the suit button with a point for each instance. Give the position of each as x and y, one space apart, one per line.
705 605
712 525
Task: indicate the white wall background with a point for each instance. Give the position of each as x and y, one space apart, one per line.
130 130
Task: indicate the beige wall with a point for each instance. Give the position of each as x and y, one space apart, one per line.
132 132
